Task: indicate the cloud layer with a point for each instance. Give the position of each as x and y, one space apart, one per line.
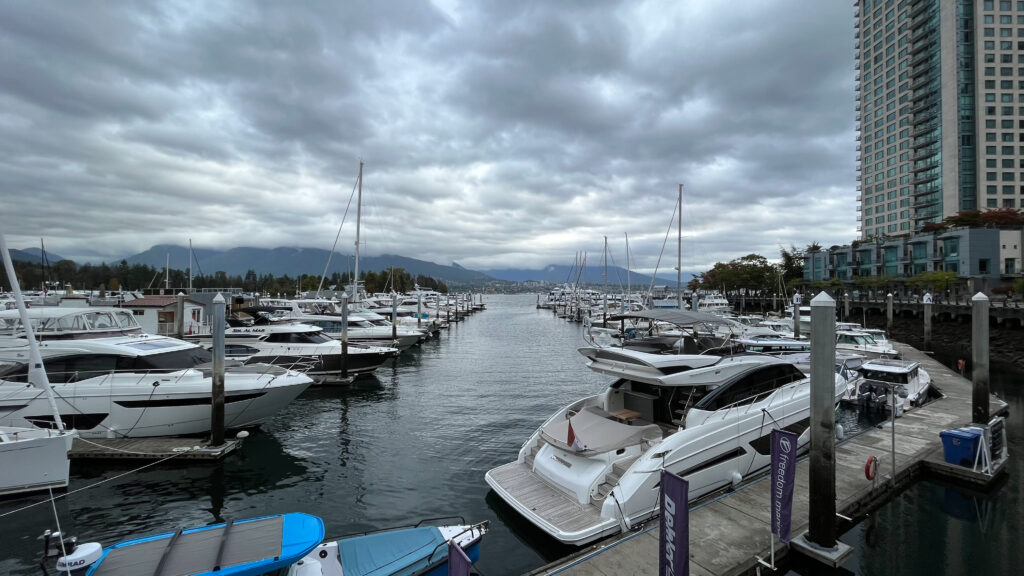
495 134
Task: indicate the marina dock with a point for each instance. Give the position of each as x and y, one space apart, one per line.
729 532
149 449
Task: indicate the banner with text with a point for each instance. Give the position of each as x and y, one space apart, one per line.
674 549
783 475
458 563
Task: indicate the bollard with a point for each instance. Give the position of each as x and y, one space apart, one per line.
822 475
888 313
344 335
179 317
846 306
217 402
419 309
927 326
979 358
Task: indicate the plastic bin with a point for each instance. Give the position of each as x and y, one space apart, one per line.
960 445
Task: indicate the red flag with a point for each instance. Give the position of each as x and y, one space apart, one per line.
573 441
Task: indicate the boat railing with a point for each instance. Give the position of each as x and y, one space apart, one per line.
59 378
421 523
746 405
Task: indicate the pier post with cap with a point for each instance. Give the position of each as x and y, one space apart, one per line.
927 322
217 402
344 334
979 359
888 313
179 316
822 519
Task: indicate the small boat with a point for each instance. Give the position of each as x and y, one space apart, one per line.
408 551
910 380
33 459
243 548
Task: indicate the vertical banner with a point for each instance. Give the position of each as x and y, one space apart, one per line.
458 563
783 474
674 548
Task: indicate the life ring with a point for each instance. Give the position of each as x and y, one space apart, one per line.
871 468
960 365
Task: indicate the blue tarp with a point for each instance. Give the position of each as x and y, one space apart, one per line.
398 552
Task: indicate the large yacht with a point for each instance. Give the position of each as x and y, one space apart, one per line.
363 327
128 384
592 469
298 346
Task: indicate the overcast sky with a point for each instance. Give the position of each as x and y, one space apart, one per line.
495 134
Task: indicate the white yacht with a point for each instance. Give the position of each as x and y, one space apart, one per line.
592 469
713 303
859 342
364 327
910 380
297 346
128 385
33 459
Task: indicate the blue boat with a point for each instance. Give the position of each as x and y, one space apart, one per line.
409 551
243 548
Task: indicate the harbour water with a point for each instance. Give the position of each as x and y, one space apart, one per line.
414 440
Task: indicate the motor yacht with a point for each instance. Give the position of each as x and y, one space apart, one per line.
860 342
363 327
592 468
128 385
297 346
910 381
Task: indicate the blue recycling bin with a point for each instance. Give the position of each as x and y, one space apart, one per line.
960 445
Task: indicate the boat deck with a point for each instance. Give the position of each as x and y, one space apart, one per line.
551 505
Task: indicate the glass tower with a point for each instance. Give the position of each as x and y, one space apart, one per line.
940 110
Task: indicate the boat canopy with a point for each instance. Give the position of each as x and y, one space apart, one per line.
598 432
677 317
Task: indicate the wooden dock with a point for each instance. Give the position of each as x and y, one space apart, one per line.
149 449
729 532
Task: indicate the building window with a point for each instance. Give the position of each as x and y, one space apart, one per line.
1008 203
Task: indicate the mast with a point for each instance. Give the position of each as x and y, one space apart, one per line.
36 373
167 273
359 216
189 265
679 256
629 289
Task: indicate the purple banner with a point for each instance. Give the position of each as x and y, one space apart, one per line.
674 549
458 563
783 475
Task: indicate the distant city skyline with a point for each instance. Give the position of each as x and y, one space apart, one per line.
495 135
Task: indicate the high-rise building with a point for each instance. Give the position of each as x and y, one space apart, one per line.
940 110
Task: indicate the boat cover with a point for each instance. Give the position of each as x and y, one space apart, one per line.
395 552
246 547
598 433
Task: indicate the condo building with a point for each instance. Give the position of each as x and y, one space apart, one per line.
940 110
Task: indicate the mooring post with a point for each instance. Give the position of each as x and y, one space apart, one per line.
846 306
979 358
217 401
796 316
394 317
888 313
604 322
179 316
927 323
419 309
344 334
693 301
822 475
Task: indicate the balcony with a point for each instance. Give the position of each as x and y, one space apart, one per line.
917 7
926 165
920 34
925 178
926 140
926 115
921 129
926 152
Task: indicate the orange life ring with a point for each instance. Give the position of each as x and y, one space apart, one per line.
871 468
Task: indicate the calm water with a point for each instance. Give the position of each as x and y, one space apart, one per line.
414 441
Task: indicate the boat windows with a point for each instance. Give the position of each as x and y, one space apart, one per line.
100 320
730 455
126 320
299 338
751 387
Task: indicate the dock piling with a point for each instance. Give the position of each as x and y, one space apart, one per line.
888 313
979 359
344 334
822 517
927 325
217 402
179 316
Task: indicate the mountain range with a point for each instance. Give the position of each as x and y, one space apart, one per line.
295 261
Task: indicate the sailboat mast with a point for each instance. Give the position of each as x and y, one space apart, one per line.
629 289
359 217
189 265
679 256
36 373
167 273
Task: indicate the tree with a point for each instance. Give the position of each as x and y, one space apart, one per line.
933 280
1001 217
791 265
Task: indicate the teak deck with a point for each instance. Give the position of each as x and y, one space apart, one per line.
726 534
149 448
552 506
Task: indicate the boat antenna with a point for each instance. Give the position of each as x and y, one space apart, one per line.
679 253
36 374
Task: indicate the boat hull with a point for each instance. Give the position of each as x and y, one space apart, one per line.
148 405
33 459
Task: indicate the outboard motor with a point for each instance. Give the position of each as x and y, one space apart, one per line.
72 558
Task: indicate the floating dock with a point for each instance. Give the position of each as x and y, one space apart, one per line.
729 532
149 448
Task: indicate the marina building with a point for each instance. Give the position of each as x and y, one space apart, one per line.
981 258
940 112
